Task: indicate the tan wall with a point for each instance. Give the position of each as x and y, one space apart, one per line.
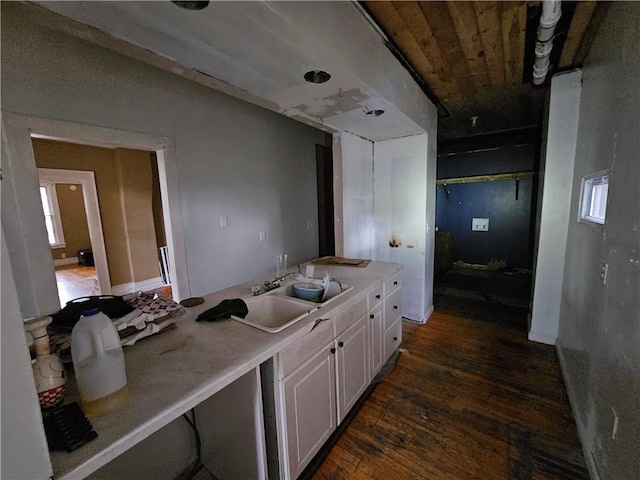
136 180
74 220
158 216
108 176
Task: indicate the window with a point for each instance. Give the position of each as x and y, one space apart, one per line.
52 215
595 188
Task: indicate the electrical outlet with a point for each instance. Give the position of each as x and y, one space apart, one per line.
63 255
223 222
263 236
480 225
309 224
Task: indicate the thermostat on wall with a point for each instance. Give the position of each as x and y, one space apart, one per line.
480 225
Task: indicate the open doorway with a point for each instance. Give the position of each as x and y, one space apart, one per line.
27 238
485 216
105 223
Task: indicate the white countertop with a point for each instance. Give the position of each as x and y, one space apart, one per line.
172 372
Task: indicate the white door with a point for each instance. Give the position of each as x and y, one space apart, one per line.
351 363
310 406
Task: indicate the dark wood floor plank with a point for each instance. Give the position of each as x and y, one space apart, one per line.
471 398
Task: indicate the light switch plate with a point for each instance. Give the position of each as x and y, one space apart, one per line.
480 225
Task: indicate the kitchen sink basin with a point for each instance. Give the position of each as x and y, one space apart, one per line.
288 291
272 313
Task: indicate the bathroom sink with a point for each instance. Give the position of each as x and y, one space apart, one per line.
273 313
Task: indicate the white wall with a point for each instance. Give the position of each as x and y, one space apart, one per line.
24 447
556 212
233 159
599 334
353 156
404 215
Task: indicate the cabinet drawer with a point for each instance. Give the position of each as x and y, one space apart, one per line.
303 349
392 339
376 296
347 317
393 283
392 308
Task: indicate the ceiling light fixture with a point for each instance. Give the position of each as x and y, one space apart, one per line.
193 5
317 76
374 113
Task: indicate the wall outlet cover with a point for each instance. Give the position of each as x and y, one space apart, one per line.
480 225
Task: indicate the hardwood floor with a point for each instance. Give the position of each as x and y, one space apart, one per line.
75 281
471 399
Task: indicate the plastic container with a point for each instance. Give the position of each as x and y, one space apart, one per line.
98 360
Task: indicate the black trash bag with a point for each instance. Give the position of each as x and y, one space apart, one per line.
112 306
226 308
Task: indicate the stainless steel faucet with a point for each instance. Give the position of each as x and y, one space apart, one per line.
272 285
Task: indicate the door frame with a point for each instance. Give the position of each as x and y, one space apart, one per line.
92 209
23 219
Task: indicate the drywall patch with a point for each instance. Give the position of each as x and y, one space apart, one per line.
335 104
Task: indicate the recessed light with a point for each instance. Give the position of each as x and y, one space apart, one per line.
317 76
193 5
374 113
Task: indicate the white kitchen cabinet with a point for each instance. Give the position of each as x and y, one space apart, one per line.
392 338
310 412
305 399
352 365
376 331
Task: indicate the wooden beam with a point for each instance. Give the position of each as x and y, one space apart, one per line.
387 18
510 38
417 25
484 178
464 20
488 18
437 16
579 24
594 25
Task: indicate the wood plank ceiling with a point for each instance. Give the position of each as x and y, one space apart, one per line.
475 58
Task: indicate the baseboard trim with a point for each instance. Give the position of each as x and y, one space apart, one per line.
588 458
60 262
132 287
542 338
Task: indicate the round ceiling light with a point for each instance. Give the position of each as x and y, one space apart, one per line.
317 76
193 5
374 113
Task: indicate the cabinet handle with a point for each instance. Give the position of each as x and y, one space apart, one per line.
372 316
333 350
341 344
395 283
377 297
395 339
395 307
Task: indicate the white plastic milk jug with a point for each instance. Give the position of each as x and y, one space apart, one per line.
97 356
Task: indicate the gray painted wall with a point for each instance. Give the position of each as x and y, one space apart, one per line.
234 159
253 166
599 332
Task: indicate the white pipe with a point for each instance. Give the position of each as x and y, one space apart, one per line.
544 43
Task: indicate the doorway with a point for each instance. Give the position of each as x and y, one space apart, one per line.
324 176
79 254
27 239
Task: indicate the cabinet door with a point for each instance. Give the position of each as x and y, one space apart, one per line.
375 326
310 408
392 339
351 363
